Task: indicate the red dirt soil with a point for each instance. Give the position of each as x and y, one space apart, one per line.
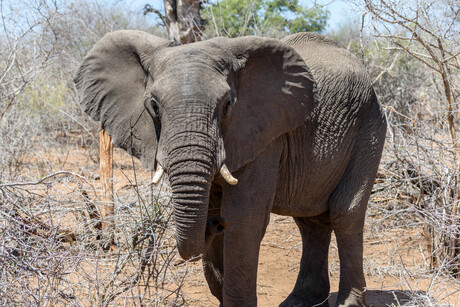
392 264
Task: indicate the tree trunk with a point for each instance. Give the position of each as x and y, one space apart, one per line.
182 17
106 178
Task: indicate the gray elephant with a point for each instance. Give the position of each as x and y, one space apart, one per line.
245 127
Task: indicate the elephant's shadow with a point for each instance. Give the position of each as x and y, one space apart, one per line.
384 298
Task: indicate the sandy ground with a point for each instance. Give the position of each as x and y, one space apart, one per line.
395 270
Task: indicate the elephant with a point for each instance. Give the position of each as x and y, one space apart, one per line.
245 127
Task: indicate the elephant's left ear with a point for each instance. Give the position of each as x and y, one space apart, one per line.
275 95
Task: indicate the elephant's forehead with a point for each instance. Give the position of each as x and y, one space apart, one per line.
196 56
187 73
187 85
180 54
188 65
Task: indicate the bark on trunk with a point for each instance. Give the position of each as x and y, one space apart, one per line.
182 17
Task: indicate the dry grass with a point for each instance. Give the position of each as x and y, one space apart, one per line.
51 245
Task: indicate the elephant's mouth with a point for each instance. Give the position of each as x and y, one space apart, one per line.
225 173
214 226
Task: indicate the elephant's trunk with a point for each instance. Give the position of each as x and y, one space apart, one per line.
191 169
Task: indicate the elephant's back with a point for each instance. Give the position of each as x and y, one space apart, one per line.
338 73
300 39
324 55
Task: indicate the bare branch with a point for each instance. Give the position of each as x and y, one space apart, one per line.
149 9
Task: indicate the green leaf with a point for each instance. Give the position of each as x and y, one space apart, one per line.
235 18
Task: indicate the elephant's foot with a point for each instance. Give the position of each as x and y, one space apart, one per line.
295 301
355 298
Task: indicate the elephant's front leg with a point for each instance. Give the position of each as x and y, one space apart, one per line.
246 208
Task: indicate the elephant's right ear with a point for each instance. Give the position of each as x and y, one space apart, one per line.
111 82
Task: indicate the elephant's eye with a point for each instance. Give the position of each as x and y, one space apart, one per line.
155 107
227 107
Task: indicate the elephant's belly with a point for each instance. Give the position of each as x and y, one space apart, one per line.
307 200
303 189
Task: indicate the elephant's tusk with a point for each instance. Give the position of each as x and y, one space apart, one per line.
227 175
158 174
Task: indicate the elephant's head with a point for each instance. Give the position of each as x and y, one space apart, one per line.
194 109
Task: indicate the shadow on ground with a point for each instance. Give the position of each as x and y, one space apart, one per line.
383 298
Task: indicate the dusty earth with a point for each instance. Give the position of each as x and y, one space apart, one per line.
395 268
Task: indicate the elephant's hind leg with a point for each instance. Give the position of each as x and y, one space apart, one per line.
312 285
347 217
347 207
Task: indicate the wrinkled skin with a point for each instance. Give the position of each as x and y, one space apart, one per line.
296 122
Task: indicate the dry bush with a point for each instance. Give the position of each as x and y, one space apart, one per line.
50 245
421 94
416 192
50 234
33 87
410 48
